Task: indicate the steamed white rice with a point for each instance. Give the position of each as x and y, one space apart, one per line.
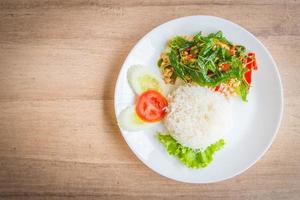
197 116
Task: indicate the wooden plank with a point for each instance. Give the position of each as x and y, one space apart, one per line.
63 179
15 4
89 22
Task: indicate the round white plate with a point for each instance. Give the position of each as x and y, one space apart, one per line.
255 122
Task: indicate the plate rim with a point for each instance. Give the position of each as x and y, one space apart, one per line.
281 110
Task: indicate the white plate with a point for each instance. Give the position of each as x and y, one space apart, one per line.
255 122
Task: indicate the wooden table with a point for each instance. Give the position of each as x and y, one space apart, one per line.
59 61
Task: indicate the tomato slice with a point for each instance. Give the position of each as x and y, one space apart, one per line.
151 106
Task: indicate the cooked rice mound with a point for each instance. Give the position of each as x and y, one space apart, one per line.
197 117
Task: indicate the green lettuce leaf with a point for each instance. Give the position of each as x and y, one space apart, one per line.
190 157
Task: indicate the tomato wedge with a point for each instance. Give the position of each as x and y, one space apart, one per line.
151 106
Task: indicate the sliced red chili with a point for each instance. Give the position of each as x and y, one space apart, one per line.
251 61
248 76
225 66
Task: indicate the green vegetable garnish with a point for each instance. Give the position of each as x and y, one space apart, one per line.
190 157
201 59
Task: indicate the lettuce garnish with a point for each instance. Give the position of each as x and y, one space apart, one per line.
190 157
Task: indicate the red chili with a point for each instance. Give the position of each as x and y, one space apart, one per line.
225 66
251 65
251 61
248 76
188 49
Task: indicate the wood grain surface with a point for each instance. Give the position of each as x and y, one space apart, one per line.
59 61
